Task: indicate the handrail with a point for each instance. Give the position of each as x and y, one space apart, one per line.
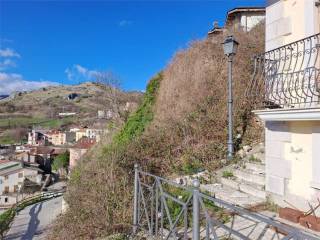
288 76
162 214
4 226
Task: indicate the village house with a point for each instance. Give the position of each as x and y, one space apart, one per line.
81 133
37 137
286 89
93 133
239 19
56 137
78 150
12 177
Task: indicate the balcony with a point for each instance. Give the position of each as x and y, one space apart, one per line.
287 78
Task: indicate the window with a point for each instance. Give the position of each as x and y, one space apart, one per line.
6 189
20 175
15 188
6 177
6 200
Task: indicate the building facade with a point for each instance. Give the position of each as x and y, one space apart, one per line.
245 18
12 176
57 138
239 19
77 151
288 96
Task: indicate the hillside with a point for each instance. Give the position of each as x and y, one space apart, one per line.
179 128
42 107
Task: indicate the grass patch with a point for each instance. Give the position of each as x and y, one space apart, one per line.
5 220
254 159
138 121
227 174
30 121
4 139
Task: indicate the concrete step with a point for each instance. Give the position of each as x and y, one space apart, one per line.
232 183
232 195
255 190
255 167
249 176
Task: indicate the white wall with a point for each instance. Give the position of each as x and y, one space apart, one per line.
293 162
290 20
13 179
249 21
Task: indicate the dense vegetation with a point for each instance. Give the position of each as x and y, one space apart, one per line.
179 128
61 161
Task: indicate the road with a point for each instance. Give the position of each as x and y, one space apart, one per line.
33 221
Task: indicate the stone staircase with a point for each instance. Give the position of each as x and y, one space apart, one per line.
244 183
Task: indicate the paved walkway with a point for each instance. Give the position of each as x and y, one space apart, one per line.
33 221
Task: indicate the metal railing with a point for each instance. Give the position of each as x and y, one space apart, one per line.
166 210
7 217
287 77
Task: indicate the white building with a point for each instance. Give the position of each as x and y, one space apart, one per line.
245 18
12 176
289 93
240 18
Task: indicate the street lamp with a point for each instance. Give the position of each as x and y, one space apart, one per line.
230 46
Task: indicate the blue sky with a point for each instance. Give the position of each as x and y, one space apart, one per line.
65 41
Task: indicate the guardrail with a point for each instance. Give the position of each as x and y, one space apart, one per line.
166 210
7 216
287 77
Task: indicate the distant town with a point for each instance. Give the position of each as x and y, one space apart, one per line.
31 167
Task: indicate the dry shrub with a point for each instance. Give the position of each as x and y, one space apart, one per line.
99 196
193 98
200 71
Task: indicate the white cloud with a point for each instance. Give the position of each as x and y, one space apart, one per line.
11 82
7 63
80 69
124 23
8 52
78 72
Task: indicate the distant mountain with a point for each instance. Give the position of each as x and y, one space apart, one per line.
3 96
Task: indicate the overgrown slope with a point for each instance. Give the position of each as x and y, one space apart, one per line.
179 128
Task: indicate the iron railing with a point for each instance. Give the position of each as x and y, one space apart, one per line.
166 210
287 77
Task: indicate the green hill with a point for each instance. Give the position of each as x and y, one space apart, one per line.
41 107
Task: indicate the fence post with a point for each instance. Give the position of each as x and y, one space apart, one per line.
196 211
136 197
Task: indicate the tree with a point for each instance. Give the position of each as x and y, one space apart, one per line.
61 161
111 84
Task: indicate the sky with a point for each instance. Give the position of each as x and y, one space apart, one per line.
66 42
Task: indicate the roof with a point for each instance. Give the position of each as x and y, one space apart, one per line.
270 2
85 143
9 166
52 132
233 11
33 168
3 161
41 150
246 9
216 29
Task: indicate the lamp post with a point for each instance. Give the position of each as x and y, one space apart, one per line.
230 46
